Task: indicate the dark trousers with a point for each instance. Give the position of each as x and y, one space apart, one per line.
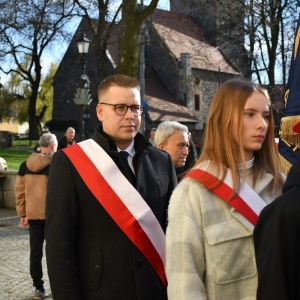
36 235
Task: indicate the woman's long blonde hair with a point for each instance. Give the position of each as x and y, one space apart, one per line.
222 150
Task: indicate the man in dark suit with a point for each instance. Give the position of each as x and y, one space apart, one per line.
67 140
107 206
277 243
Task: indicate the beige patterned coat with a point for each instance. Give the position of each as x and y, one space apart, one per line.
210 251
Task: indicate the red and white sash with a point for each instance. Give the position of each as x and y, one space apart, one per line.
247 202
121 201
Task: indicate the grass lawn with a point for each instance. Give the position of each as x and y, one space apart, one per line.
18 153
23 143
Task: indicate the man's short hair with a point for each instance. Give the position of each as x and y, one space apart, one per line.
70 128
117 80
167 129
152 129
47 139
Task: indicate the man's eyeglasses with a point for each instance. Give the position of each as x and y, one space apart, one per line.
121 109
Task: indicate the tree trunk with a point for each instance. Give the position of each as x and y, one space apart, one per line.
33 132
130 39
131 23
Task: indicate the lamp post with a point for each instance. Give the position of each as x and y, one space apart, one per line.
142 73
83 48
82 96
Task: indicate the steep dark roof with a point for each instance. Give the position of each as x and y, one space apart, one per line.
182 35
162 105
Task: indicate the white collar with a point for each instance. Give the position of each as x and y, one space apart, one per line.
249 164
129 149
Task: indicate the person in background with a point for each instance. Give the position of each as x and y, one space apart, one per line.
213 211
172 137
277 243
68 139
107 206
192 157
194 152
30 194
37 148
152 135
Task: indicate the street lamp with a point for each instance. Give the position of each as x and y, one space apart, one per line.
83 48
82 96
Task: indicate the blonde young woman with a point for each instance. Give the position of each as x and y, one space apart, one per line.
212 213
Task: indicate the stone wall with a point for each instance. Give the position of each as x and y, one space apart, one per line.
7 197
6 139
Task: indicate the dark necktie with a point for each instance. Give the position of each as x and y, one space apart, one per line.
124 155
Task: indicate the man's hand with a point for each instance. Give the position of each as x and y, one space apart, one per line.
23 222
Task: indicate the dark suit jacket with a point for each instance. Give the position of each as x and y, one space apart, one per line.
88 256
277 243
63 143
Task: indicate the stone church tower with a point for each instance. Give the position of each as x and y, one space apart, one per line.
222 22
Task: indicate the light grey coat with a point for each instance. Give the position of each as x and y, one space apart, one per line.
210 251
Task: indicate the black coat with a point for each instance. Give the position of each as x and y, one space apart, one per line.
88 256
277 243
63 143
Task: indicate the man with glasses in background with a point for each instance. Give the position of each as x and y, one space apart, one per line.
107 206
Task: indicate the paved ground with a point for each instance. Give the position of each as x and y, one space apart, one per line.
15 280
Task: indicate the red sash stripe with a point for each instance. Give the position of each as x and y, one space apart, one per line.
115 207
224 192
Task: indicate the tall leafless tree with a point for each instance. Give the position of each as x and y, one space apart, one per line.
27 28
264 29
103 17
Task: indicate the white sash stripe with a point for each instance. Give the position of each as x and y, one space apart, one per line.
127 194
250 197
